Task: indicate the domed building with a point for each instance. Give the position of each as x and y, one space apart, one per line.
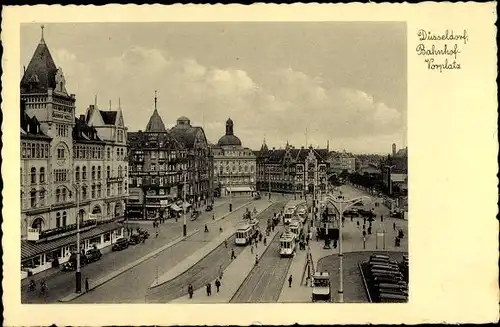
234 165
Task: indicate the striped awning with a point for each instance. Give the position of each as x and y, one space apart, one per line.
239 189
175 207
30 249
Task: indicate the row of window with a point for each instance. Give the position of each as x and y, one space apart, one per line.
96 173
30 150
37 198
160 181
33 176
239 169
61 175
62 130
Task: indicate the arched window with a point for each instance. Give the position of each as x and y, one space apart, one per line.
33 175
77 174
58 195
64 194
37 224
93 192
33 198
58 220
84 173
42 175
98 172
99 188
93 172
64 218
108 172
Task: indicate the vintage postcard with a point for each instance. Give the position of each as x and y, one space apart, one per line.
270 164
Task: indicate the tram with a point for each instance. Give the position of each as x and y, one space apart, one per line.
321 291
287 244
244 232
296 226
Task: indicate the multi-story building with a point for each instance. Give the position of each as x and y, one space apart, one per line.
167 167
57 156
395 171
292 170
234 165
341 161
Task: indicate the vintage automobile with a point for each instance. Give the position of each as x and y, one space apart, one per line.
209 207
257 196
93 255
135 239
144 233
71 263
120 244
195 214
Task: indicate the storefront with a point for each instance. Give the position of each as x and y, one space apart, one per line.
37 256
239 191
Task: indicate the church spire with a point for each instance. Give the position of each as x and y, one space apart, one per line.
42 39
119 104
156 99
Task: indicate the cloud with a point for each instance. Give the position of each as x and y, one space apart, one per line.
280 105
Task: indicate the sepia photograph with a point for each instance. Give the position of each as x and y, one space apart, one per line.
179 162
248 165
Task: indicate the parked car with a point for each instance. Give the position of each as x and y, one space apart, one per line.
209 208
120 244
93 255
257 197
135 239
397 214
71 263
144 233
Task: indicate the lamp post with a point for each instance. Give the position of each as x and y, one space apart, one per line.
230 183
349 203
184 227
78 273
269 168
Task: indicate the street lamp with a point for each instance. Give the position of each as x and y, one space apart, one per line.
340 209
184 227
78 273
230 183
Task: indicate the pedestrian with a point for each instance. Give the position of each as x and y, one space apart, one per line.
394 226
207 287
265 241
156 234
190 291
364 220
357 222
206 228
221 272
232 254
225 243
290 281
217 284
220 229
213 216
364 233
256 259
382 218
86 285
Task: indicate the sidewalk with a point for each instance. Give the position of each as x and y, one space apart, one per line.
200 254
296 293
234 275
131 265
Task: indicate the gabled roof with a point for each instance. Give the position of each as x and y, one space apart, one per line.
109 117
41 72
30 126
83 132
162 140
155 123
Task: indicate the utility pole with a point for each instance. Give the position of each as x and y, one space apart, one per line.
230 183
78 273
184 227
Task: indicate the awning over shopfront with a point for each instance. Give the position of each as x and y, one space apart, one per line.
30 249
186 205
175 207
239 189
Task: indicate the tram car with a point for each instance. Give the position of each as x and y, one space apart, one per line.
244 232
287 244
321 291
296 226
302 213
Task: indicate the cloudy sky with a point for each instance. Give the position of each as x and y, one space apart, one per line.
343 82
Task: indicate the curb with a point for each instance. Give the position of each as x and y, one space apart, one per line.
129 266
209 248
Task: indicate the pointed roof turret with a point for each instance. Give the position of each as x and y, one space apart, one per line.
264 146
155 123
41 72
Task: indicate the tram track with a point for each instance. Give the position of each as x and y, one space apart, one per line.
264 283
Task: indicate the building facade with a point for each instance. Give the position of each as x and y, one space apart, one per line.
234 165
290 170
395 171
341 161
169 170
59 157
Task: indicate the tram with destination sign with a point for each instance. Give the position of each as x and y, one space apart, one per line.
288 243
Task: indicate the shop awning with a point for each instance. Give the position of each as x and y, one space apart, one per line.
186 205
239 189
175 207
30 249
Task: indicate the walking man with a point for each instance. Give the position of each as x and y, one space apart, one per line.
290 281
256 259
251 248
217 284
232 254
190 291
394 226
